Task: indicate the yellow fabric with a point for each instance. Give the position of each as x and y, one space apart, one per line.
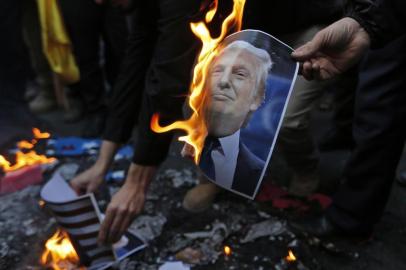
55 41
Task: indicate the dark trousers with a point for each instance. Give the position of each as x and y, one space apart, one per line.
13 54
379 133
87 24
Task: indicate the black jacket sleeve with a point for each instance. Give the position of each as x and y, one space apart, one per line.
167 79
382 19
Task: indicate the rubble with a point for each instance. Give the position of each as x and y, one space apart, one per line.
181 178
271 227
148 227
257 235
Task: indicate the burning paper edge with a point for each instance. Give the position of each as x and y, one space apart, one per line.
279 122
73 197
205 56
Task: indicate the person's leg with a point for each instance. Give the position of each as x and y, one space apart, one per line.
379 136
294 140
13 56
16 121
83 20
45 99
339 135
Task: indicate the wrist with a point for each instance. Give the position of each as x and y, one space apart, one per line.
140 175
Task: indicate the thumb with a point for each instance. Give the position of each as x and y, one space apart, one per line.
91 188
308 50
76 188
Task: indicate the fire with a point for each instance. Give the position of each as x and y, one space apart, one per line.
41 203
195 126
291 257
59 252
227 250
25 145
26 158
40 135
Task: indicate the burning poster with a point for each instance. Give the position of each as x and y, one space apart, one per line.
80 217
247 89
239 94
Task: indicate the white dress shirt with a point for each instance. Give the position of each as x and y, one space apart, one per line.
225 159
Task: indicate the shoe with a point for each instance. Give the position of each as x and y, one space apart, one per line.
31 91
336 140
303 185
43 103
200 197
94 125
319 227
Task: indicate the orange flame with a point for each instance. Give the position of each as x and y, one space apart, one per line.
26 159
41 203
25 145
291 257
40 135
227 250
195 126
59 252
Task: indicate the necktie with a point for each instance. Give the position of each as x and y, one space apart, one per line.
206 161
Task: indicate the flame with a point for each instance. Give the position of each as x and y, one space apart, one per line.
195 126
41 203
59 252
25 145
40 135
26 159
227 250
291 257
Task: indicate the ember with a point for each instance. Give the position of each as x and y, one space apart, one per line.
227 250
195 125
41 203
291 257
59 253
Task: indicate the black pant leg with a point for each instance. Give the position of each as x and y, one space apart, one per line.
379 134
83 20
13 54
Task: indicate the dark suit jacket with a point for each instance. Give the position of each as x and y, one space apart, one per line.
248 171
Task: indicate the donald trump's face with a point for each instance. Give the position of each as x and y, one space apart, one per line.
233 93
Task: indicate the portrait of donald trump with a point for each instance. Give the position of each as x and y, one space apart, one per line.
235 89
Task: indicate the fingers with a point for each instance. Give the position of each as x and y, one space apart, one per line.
124 226
92 187
307 51
106 225
118 219
307 70
76 184
114 231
